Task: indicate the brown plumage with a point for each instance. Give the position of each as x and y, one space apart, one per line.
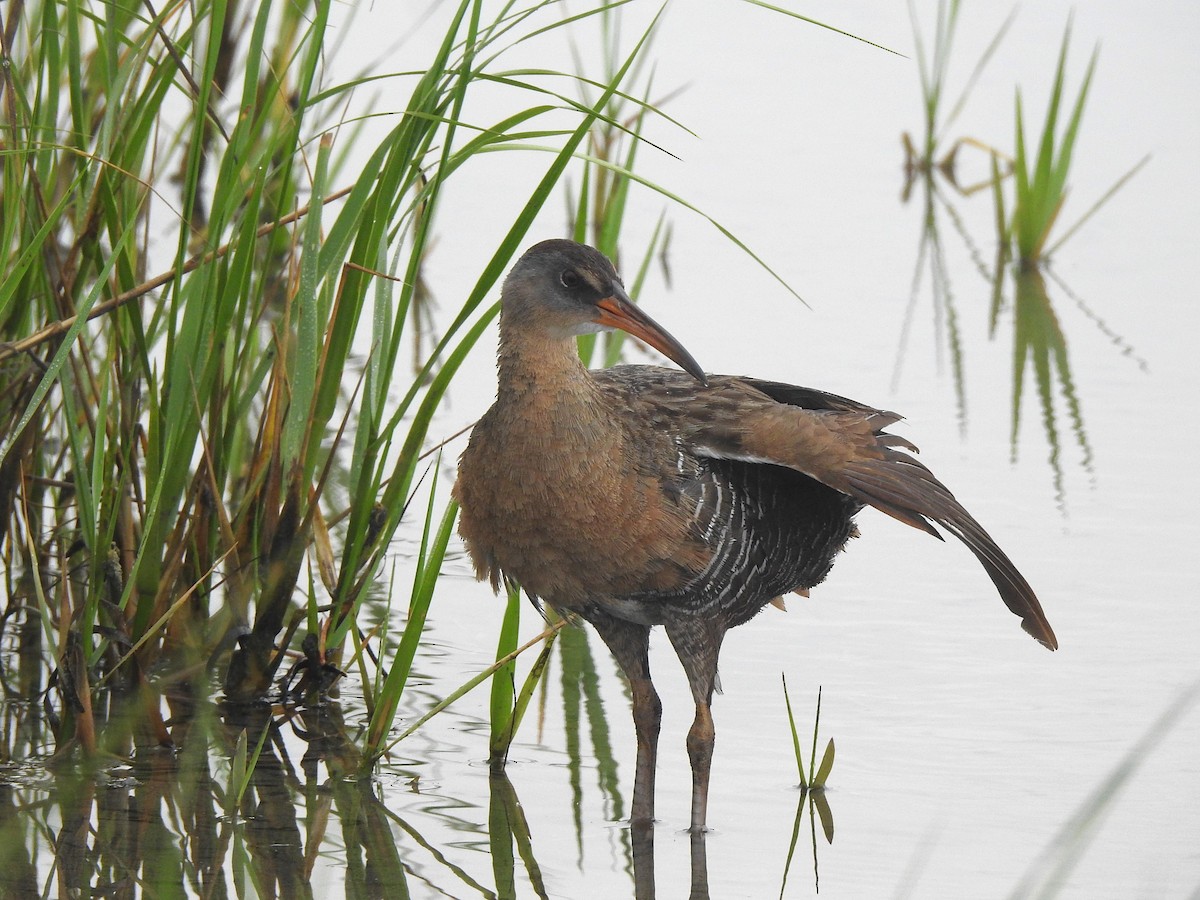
641 496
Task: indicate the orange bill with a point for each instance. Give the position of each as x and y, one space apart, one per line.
618 311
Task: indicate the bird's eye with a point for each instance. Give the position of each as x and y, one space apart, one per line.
569 279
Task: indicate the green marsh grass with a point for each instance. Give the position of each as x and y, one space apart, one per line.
1041 177
812 789
508 705
187 266
1041 186
816 778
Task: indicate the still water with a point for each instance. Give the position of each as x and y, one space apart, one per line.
970 761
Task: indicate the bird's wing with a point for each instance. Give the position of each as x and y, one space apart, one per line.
842 444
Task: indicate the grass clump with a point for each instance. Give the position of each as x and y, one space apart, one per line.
1041 177
812 790
200 477
815 781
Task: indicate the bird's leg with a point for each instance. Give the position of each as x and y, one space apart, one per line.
701 739
630 645
697 642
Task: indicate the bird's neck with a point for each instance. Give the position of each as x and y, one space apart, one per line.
533 363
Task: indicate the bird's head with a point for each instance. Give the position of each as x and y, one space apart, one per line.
564 289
